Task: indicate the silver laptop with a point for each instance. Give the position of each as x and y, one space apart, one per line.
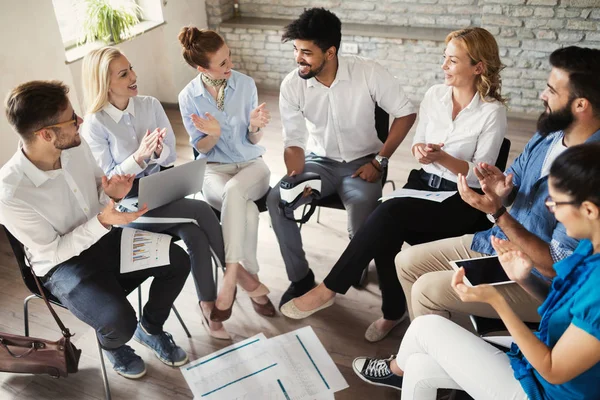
169 185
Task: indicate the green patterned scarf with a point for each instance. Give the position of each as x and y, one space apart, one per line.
220 84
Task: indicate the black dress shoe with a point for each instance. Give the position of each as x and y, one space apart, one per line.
300 288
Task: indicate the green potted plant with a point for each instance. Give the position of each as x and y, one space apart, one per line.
109 23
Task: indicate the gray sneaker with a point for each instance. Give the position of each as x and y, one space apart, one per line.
376 371
126 363
163 346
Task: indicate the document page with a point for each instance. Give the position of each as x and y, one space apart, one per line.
293 366
142 249
419 194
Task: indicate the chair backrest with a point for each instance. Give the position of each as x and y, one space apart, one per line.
196 152
26 272
503 155
382 123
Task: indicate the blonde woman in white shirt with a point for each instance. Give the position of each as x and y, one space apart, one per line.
461 124
131 134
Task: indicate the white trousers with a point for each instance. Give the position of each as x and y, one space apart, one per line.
436 354
232 189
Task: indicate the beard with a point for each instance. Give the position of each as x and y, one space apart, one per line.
63 142
311 72
554 121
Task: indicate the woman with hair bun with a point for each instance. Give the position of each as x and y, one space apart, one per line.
461 123
221 114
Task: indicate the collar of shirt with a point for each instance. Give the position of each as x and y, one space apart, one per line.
36 175
117 114
200 89
342 74
447 100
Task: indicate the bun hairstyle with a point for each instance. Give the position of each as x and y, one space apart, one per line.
198 45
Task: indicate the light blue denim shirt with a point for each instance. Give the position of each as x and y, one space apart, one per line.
241 98
529 206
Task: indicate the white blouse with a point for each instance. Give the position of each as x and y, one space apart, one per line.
475 135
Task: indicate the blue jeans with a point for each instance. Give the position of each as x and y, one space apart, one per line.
91 286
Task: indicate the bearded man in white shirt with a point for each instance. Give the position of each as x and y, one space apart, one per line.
327 110
57 202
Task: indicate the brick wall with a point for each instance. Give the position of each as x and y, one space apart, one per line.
527 32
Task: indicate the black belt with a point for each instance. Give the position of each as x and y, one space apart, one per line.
437 182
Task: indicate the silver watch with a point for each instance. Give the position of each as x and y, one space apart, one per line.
383 161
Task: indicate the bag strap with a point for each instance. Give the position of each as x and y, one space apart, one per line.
65 331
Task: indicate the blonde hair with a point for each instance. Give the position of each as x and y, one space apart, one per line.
95 77
482 47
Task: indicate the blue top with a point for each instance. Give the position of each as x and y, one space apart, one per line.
573 299
529 206
241 98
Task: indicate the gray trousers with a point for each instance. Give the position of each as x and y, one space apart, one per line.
358 196
199 239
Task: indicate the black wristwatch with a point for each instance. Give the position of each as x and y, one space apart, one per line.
495 216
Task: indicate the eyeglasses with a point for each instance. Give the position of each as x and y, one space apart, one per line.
74 120
551 204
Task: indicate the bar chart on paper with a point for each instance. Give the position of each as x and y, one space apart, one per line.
142 249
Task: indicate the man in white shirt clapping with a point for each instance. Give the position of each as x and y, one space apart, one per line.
57 202
327 108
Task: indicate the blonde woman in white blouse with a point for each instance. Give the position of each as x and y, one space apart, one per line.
131 134
461 123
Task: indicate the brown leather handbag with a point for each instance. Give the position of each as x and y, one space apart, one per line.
24 354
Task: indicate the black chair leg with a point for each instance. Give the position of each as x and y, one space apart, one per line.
140 301
187 332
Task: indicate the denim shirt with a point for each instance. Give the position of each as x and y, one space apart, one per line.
240 99
529 206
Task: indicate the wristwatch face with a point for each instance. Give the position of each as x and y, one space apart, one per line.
491 218
383 161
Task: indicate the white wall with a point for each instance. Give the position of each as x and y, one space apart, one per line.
32 49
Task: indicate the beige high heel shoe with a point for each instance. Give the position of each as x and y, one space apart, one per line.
220 334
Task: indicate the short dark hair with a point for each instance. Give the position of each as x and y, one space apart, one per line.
321 26
576 172
583 66
34 105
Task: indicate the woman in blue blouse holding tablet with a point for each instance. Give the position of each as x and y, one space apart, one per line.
221 114
562 359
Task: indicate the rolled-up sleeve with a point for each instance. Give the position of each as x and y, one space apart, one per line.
40 238
489 142
388 92
295 133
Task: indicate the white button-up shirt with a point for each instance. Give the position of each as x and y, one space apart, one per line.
475 135
338 122
53 213
114 135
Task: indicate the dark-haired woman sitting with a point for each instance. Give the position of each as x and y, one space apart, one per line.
562 359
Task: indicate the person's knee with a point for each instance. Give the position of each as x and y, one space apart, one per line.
429 323
180 261
234 189
119 328
429 293
405 262
273 200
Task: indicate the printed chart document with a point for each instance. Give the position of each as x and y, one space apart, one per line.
419 194
294 366
142 249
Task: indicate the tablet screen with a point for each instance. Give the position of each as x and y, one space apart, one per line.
484 270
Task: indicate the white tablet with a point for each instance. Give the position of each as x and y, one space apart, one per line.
482 270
